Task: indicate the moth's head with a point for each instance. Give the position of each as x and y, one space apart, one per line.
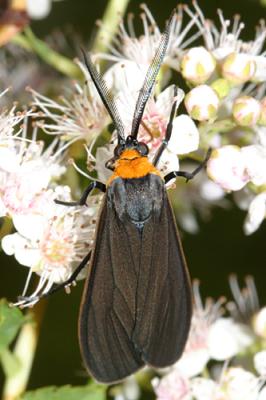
128 149
131 143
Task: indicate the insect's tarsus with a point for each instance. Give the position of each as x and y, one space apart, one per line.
188 175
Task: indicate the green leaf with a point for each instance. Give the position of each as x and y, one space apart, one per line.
11 320
89 392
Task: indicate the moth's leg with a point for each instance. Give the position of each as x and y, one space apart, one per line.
93 185
168 133
188 175
28 300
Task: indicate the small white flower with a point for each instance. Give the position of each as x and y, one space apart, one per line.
227 168
246 110
197 65
80 116
202 103
256 213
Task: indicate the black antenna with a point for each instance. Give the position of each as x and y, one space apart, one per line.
150 77
106 96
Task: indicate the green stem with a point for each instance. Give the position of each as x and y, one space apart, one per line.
24 352
51 57
110 22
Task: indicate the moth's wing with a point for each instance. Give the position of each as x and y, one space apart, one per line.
107 313
164 305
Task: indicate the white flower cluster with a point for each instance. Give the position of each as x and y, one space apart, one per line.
223 359
223 106
50 239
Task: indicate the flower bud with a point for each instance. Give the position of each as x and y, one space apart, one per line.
202 103
227 168
197 65
221 87
238 68
246 111
262 119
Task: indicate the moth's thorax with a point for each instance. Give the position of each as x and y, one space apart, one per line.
131 164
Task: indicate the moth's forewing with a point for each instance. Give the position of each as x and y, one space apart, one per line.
136 306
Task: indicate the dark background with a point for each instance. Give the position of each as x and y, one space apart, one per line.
220 249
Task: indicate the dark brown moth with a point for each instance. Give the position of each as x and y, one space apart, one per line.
136 306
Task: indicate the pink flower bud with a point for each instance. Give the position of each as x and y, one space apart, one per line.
238 68
246 110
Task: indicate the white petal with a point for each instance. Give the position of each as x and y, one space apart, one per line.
3 210
104 154
255 159
125 76
260 362
226 338
8 160
227 168
165 100
211 191
30 226
185 135
11 242
203 389
27 257
260 71
262 395
38 9
192 363
256 214
168 162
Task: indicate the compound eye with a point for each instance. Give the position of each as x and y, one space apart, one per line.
143 149
118 150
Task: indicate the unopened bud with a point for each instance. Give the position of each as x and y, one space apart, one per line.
238 68
202 103
246 110
197 65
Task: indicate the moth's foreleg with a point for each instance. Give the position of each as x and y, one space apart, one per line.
93 185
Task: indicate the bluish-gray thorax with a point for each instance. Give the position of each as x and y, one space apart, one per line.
136 199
